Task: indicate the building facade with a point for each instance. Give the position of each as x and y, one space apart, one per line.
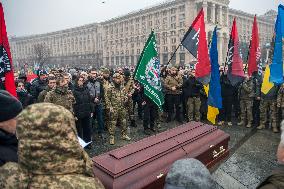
120 41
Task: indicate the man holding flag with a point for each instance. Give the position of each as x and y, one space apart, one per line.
147 73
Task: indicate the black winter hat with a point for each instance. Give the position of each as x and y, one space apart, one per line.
127 73
10 107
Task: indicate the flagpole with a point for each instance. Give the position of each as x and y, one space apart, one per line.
174 54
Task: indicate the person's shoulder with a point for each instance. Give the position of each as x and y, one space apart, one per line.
79 181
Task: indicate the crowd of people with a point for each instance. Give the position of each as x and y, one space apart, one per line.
110 98
97 100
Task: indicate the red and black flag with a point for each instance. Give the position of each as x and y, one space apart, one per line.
254 51
234 61
6 66
195 42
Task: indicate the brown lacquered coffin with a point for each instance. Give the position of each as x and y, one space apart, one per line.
144 164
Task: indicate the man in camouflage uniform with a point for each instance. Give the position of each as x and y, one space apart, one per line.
280 100
58 161
51 84
116 101
129 89
106 86
268 108
173 85
246 96
193 90
61 95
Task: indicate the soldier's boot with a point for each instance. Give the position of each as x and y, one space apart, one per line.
248 125
125 137
147 131
221 123
132 123
275 130
240 123
111 140
261 127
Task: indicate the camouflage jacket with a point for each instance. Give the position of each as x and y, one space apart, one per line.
173 81
62 97
50 155
129 86
116 97
246 90
106 86
42 94
280 97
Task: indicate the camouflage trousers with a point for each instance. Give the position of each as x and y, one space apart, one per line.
246 110
106 118
118 114
130 110
268 109
193 108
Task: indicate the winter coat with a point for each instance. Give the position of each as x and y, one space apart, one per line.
83 106
227 90
36 87
192 88
25 98
50 155
8 147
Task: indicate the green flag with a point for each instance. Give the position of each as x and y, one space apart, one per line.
148 72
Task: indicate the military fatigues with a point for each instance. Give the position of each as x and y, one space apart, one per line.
280 100
43 94
106 86
268 108
173 97
129 89
116 98
246 96
192 92
61 96
58 161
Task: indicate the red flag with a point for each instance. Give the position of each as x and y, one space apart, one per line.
254 51
195 42
234 60
6 66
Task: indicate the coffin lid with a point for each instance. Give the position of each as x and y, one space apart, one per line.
124 159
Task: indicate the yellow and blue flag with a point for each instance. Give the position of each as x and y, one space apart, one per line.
266 84
276 68
214 95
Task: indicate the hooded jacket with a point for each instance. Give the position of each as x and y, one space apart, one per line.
49 154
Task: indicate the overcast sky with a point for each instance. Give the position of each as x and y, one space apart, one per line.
26 17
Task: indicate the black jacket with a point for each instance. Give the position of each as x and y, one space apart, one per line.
84 105
227 89
192 88
37 86
8 148
25 98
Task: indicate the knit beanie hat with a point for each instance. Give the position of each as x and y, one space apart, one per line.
189 174
10 107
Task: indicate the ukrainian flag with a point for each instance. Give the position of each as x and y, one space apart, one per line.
214 95
266 84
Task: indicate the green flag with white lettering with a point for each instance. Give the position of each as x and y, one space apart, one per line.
148 72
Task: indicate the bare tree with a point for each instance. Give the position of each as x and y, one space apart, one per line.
41 54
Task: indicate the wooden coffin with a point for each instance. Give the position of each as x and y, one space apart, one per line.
144 164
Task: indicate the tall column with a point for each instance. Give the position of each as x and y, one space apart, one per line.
213 20
220 48
205 6
227 16
220 15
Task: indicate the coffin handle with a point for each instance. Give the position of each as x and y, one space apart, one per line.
160 175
